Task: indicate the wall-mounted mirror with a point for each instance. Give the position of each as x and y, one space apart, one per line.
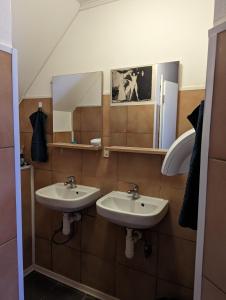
144 106
77 106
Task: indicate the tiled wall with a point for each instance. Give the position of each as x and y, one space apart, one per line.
87 124
8 245
95 256
214 269
26 214
188 101
131 126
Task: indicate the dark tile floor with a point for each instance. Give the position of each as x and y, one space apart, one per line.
40 287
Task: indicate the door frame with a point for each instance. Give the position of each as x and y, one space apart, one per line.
17 174
204 158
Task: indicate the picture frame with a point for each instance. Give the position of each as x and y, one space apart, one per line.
132 85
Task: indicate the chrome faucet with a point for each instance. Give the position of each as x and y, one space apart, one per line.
134 191
71 181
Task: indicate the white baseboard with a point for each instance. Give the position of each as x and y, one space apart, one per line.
29 270
69 282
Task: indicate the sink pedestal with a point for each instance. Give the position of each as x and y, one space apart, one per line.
68 219
132 237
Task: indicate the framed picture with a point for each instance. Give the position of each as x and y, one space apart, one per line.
131 85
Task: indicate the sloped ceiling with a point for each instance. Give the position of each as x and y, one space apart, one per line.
86 4
38 27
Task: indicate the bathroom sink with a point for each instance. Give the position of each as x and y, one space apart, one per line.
144 212
60 197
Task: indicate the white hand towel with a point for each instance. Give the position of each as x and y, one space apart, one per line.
95 142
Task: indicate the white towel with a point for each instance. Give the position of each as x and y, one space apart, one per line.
96 142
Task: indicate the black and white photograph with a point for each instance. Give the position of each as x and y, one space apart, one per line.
131 84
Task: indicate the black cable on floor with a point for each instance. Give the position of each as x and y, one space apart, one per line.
54 241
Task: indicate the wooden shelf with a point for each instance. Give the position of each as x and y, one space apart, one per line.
75 146
141 150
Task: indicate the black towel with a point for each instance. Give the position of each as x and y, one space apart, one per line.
189 212
38 144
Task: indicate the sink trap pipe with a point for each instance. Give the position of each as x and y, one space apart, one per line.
132 236
68 219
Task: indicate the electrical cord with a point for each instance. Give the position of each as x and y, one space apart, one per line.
53 238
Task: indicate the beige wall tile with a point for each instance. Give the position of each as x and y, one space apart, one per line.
175 196
6 111
133 285
105 184
27 108
218 132
99 237
167 289
43 215
98 273
145 188
187 102
175 182
77 119
62 137
7 196
42 178
44 218
138 167
91 118
144 140
118 139
62 176
211 292
91 211
77 136
70 265
95 165
118 118
140 118
43 253
176 260
68 161
139 261
8 271
215 246
106 141
86 136
106 115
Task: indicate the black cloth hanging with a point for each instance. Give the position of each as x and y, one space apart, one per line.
189 212
38 145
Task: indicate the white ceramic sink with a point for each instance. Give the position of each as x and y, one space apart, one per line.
66 199
119 208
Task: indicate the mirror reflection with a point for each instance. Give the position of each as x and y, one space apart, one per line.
77 101
144 106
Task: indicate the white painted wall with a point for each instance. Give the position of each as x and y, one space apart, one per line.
37 28
62 121
5 23
220 12
132 33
